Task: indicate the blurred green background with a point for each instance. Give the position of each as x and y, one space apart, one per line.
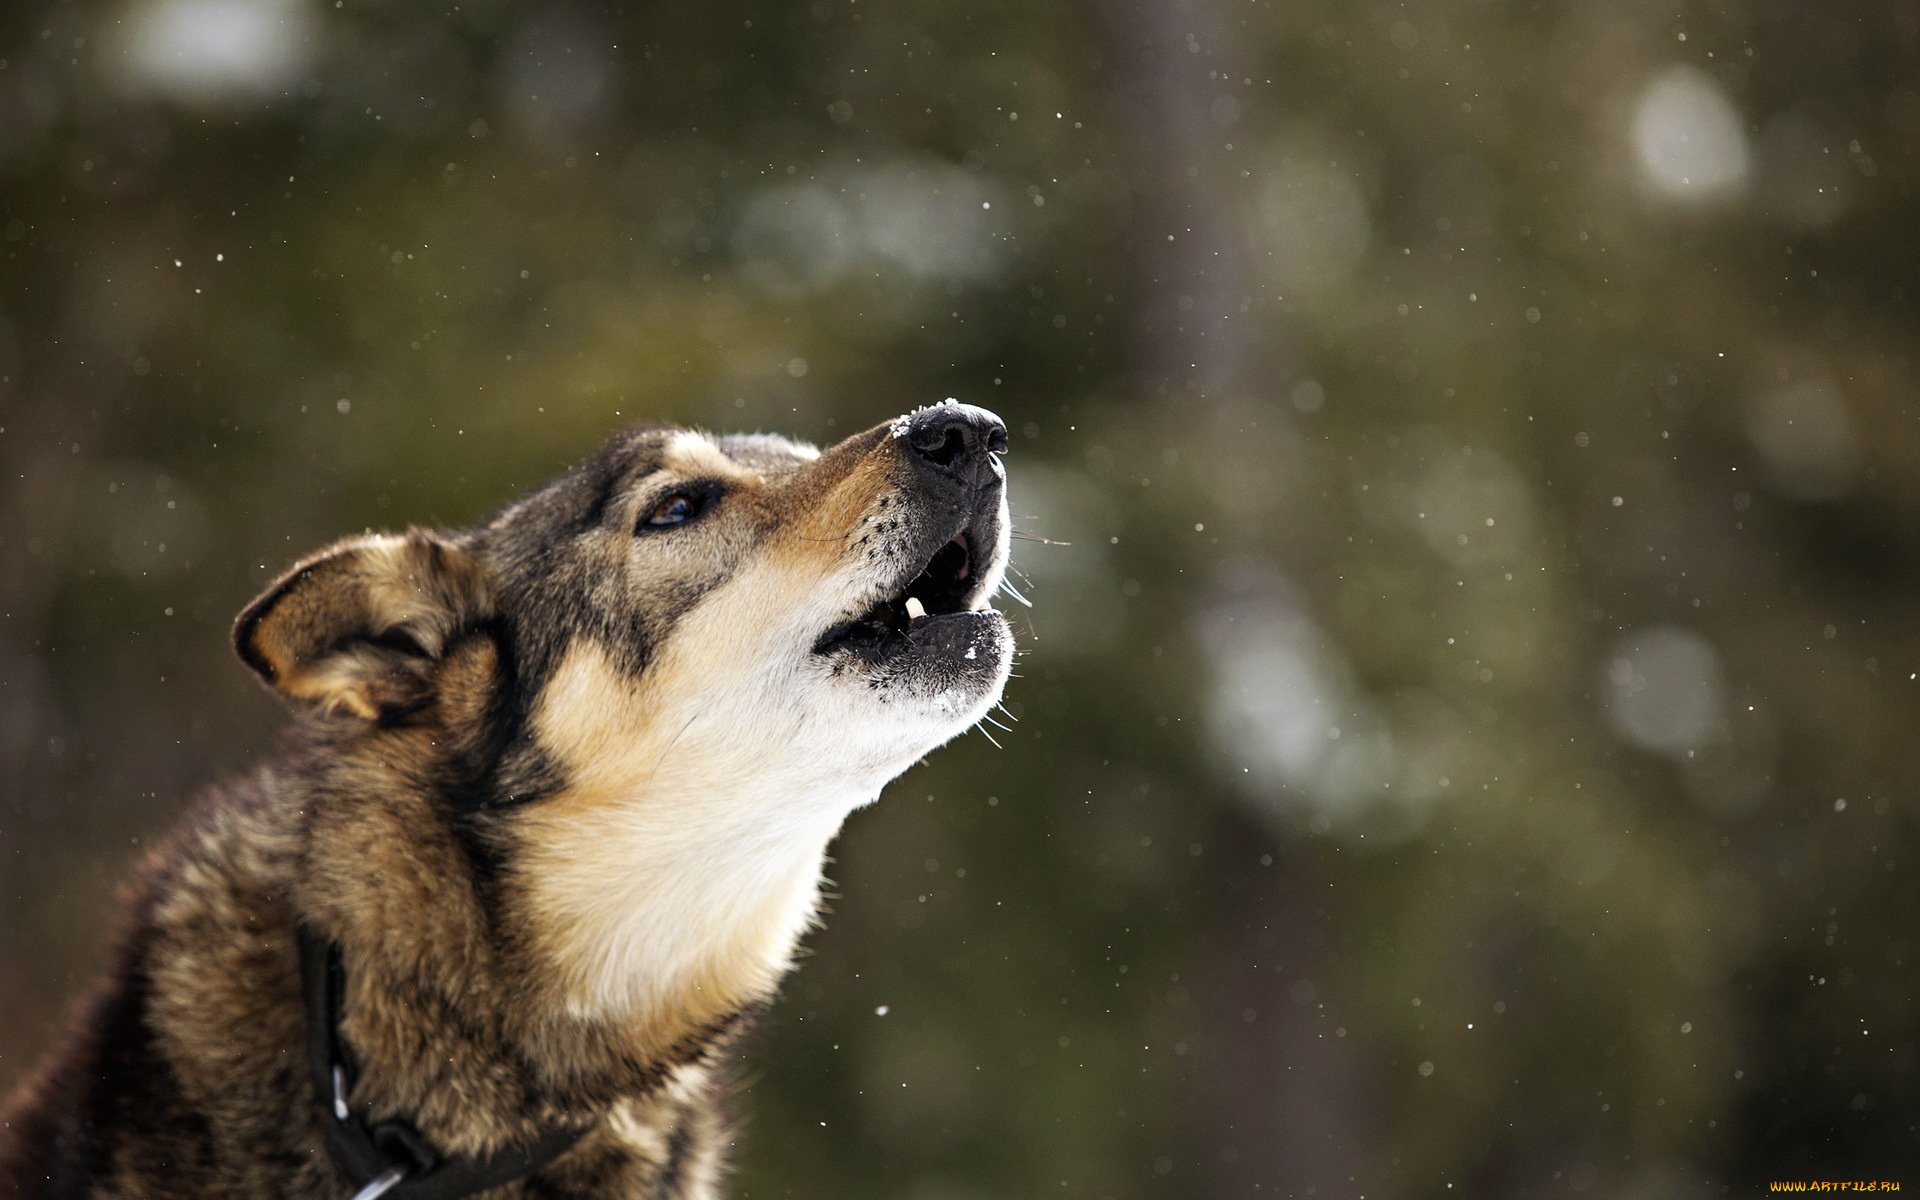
1467 744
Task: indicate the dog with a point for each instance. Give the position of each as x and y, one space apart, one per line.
552 824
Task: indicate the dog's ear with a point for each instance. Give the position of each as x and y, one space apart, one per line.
360 627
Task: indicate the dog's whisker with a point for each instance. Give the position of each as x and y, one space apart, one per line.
670 745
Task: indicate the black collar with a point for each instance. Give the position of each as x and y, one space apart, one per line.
391 1159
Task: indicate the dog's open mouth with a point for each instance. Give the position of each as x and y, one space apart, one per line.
945 587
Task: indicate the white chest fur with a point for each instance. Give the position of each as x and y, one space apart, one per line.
683 863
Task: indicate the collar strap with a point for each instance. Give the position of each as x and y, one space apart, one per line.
391 1159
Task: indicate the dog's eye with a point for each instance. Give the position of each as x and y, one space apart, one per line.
674 510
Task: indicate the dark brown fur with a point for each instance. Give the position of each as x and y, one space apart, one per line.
393 828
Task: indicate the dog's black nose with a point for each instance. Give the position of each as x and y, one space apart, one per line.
957 441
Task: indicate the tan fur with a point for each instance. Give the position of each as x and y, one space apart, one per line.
373 585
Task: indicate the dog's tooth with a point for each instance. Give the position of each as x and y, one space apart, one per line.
915 609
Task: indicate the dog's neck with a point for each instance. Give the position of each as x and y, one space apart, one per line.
652 922
671 880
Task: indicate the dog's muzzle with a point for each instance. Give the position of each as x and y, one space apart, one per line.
949 555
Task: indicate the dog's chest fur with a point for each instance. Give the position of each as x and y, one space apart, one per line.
203 1029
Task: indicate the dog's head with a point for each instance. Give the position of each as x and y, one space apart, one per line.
671 673
833 606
